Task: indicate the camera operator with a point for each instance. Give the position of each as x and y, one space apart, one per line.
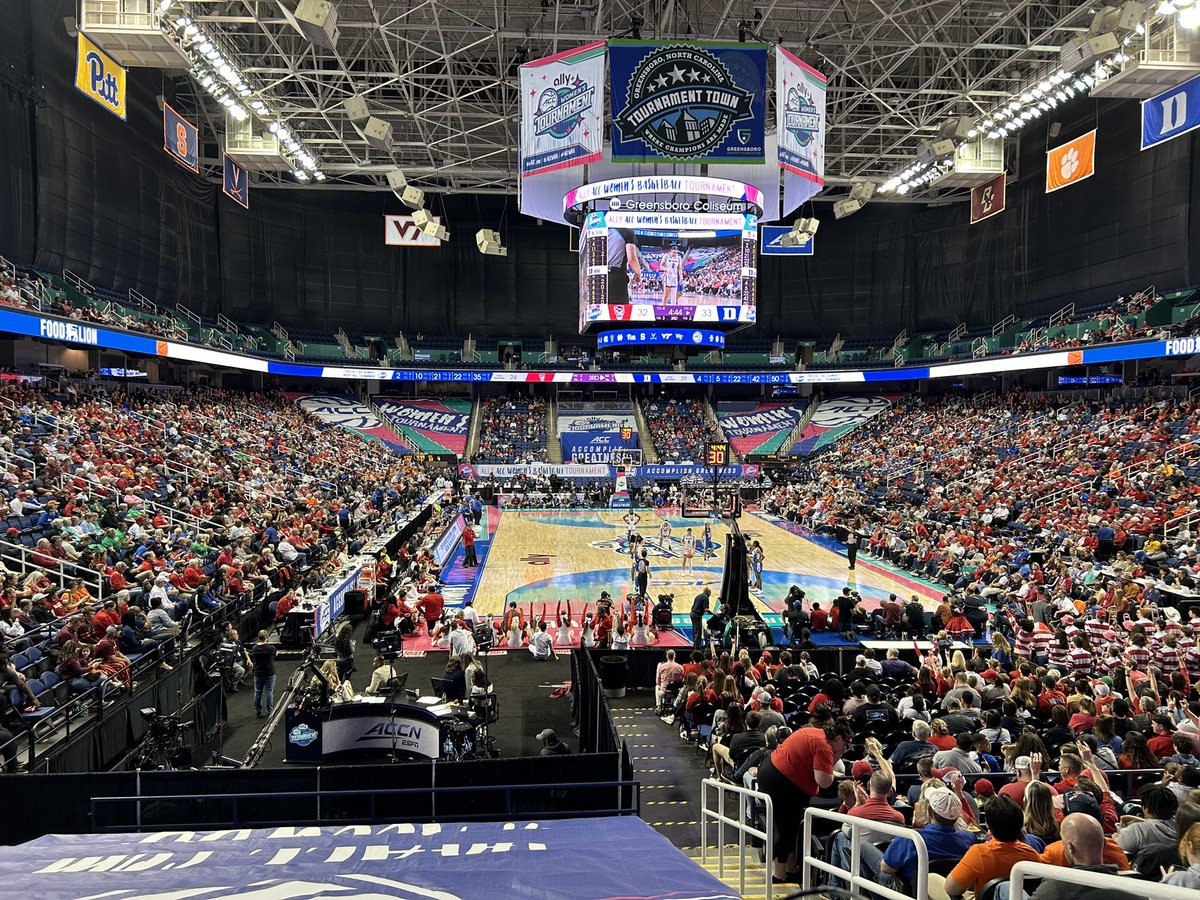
232 658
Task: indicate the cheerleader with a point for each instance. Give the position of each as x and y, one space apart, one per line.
620 636
564 636
587 630
642 636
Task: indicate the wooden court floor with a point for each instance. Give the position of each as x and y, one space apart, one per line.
552 556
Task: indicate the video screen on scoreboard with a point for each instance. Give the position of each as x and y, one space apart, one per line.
668 268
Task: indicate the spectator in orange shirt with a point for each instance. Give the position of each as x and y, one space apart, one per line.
996 857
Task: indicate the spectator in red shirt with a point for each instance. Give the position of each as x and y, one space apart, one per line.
819 618
431 606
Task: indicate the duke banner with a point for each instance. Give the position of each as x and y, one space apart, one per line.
562 110
1071 163
988 199
1173 112
180 139
98 75
800 117
688 101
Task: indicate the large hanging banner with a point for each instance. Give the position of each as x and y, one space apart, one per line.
433 426
835 418
595 446
800 117
99 76
1071 162
1174 112
688 101
351 414
433 861
758 427
562 110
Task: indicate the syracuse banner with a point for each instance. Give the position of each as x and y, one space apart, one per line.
180 139
800 117
834 418
562 110
347 412
436 427
688 101
595 446
1071 163
1174 112
758 427
98 75
988 199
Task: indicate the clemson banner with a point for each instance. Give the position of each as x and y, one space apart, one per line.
1072 162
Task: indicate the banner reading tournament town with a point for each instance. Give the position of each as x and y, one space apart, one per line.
688 101
562 110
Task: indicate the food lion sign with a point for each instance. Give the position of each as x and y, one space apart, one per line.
402 231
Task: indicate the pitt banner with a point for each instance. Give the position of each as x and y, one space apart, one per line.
562 110
98 75
1072 162
180 139
987 199
237 183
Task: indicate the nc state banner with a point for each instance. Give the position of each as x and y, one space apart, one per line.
800 117
988 199
562 110
349 413
758 427
688 101
432 426
835 418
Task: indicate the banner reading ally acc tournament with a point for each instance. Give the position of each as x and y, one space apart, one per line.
800 117
562 110
688 101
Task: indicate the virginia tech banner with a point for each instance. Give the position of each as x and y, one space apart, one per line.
562 110
688 101
988 199
1071 163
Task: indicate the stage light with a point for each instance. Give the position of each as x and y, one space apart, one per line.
1189 18
319 175
489 244
300 175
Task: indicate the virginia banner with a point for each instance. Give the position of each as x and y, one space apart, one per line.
1173 112
351 414
562 110
800 117
835 418
988 199
1071 163
758 427
688 101
236 182
180 139
433 426
98 75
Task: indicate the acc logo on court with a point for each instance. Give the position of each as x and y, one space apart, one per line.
682 102
620 546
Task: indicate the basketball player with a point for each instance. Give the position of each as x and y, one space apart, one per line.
689 549
708 541
664 535
671 270
631 520
756 565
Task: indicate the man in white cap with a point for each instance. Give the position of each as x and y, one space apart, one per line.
1015 790
943 839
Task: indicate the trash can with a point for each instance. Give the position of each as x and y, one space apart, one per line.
356 604
614 673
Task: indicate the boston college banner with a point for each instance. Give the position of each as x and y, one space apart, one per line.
987 199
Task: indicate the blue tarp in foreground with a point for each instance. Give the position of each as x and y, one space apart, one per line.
583 859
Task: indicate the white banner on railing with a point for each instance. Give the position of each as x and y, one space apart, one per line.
562 110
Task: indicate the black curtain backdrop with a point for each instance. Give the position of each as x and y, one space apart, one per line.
82 190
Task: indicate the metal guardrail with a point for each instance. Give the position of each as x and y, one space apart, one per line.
1095 880
740 824
65 572
238 801
853 875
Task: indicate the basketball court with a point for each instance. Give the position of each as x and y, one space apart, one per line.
547 557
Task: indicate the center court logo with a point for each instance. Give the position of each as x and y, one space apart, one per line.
561 106
682 102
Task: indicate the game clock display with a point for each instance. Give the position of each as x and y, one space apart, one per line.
668 268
